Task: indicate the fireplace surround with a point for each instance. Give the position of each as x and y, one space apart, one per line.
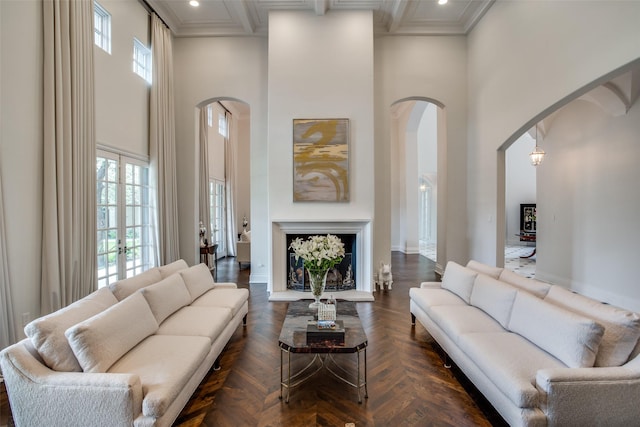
361 249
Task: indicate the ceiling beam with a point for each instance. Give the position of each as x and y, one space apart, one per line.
397 12
321 7
240 6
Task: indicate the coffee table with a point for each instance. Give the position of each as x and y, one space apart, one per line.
293 340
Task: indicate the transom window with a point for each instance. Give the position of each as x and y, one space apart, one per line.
102 27
141 60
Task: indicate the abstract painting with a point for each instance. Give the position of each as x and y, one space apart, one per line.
321 160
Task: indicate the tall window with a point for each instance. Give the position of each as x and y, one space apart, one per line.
222 125
124 235
102 27
217 214
141 60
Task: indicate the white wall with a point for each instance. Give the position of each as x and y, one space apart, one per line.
122 97
333 79
21 151
517 79
588 212
434 68
207 68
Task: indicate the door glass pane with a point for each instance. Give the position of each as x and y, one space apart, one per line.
107 223
139 255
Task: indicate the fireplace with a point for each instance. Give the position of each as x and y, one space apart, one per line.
340 278
359 233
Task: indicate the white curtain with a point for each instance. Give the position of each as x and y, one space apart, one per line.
69 203
7 327
162 144
203 179
229 179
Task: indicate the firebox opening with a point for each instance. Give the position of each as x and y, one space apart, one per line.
340 278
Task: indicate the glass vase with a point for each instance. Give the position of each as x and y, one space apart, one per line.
317 282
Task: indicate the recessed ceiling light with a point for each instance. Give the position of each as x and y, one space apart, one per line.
442 1
196 3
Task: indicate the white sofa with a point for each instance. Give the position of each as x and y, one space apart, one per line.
541 354
128 355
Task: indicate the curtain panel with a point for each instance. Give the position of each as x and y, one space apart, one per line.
230 192
7 324
203 179
162 144
69 202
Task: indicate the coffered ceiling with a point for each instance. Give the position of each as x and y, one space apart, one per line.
250 17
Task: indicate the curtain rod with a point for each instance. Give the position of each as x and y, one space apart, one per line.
225 108
151 10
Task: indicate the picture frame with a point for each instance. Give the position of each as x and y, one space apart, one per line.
321 160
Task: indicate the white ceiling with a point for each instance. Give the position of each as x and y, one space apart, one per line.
250 17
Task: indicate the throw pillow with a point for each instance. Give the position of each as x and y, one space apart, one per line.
174 267
459 280
533 286
47 332
485 269
198 280
101 340
494 298
167 296
125 287
569 337
621 327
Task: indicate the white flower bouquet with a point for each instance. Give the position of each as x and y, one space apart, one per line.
319 252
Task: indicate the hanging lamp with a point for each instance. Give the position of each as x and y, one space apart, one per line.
537 155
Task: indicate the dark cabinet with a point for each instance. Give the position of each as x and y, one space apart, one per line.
527 221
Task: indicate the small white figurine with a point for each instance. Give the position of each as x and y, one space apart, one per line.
384 276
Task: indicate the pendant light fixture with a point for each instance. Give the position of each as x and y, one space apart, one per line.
538 153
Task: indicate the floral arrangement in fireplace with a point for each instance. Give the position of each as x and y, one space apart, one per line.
319 252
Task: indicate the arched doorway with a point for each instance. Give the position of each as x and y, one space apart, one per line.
414 174
224 190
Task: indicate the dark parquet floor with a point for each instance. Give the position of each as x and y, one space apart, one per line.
407 382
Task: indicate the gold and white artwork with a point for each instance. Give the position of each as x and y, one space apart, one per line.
321 160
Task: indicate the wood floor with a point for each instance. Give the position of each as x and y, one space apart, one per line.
407 382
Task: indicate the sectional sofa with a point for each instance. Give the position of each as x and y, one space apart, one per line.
541 354
131 354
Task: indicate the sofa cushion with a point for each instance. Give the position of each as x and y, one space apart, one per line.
485 269
125 287
621 327
198 321
533 286
166 296
459 280
47 332
572 338
198 280
223 297
165 364
174 267
493 297
101 340
457 320
426 298
510 362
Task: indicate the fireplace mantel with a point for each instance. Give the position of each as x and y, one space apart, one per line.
361 228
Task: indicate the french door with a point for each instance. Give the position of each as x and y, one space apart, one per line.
217 213
124 235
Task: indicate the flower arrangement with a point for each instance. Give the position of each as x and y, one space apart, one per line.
319 252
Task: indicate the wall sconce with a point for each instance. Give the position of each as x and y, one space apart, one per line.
537 155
